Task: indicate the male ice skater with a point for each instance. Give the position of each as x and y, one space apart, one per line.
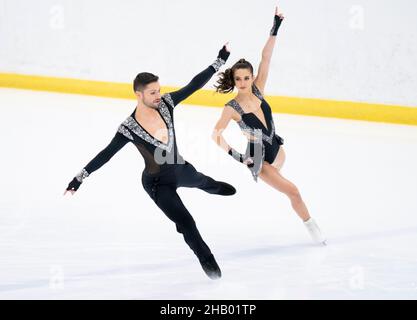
151 129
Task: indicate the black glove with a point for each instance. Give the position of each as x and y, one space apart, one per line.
73 185
223 54
221 59
78 179
277 24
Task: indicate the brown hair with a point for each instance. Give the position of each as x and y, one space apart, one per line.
226 82
142 80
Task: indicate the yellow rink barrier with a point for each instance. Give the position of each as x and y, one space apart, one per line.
290 105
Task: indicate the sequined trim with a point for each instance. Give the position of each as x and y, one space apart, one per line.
218 63
244 127
268 138
168 98
166 114
82 175
123 130
233 103
141 133
257 92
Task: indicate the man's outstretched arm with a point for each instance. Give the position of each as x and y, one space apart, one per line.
199 80
117 143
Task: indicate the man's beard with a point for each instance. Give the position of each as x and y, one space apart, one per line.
151 105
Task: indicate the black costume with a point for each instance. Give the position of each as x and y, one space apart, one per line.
263 143
165 169
266 143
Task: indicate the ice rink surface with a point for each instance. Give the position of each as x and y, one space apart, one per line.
110 241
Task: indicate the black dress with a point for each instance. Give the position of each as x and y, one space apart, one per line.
264 143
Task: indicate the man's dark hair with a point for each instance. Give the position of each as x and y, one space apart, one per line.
142 80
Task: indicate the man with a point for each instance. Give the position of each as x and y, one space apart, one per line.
151 129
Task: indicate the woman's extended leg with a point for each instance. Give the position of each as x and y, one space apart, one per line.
271 176
274 178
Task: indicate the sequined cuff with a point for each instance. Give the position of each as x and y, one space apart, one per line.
82 175
218 63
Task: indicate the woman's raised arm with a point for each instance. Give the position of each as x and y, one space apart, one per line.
263 69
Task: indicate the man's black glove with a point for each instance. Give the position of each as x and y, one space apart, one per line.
73 185
224 54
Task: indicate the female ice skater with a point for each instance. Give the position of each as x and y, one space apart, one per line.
264 154
151 129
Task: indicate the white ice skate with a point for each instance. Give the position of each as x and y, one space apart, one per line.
315 232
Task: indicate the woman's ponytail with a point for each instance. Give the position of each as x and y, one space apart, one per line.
226 82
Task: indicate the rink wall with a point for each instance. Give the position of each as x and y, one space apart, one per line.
290 105
332 58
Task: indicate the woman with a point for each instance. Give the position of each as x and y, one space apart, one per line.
264 155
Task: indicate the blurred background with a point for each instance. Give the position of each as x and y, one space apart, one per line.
363 50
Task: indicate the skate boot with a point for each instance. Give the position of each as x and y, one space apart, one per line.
315 232
211 267
225 189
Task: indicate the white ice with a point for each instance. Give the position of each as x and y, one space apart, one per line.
110 241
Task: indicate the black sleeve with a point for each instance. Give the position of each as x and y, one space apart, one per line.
196 83
117 143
